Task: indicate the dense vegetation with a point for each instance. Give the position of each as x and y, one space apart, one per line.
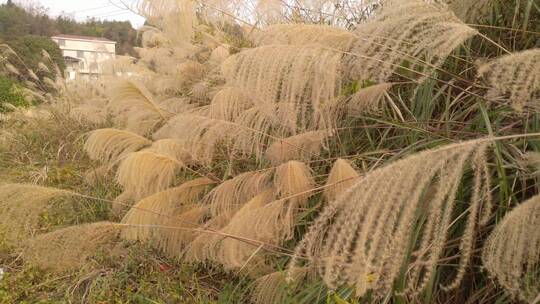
278 152
25 37
17 22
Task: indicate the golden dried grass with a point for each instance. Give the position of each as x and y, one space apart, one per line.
341 178
304 76
416 31
275 287
514 79
144 173
362 238
230 195
301 147
305 34
512 252
110 145
160 208
70 249
21 206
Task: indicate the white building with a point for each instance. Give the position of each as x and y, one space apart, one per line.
84 56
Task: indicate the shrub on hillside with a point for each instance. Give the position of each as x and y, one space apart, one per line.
10 94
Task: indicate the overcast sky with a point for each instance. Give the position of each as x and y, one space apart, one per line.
83 9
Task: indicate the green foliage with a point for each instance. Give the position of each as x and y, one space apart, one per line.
10 94
29 49
119 31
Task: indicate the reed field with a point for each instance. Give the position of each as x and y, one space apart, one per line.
275 151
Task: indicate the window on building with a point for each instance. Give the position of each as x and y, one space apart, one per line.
80 54
61 42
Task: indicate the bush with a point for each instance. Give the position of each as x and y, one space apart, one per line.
29 48
10 94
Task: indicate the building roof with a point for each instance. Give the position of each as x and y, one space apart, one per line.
85 38
69 58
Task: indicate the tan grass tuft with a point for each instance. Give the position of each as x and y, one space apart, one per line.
184 230
21 206
470 11
94 114
97 176
294 179
70 249
249 134
134 106
172 148
368 99
274 287
421 33
110 145
301 147
233 253
362 238
512 252
144 173
271 221
305 34
159 208
342 177
304 76
230 195
175 18
514 79
127 94
229 103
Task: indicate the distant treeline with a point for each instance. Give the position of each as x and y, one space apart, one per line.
27 31
16 22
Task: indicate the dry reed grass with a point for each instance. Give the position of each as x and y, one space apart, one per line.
144 173
421 33
305 76
21 206
361 238
514 79
512 252
111 145
70 249
305 34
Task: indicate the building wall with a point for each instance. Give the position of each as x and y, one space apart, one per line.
91 53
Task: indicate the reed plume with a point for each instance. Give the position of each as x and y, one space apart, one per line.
172 148
514 79
271 214
229 103
512 252
420 33
274 287
367 100
144 173
159 208
305 76
305 34
470 11
70 249
128 94
135 107
94 114
230 195
21 206
249 134
110 145
175 18
362 238
301 147
342 177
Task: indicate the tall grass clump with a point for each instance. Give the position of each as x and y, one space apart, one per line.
314 152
